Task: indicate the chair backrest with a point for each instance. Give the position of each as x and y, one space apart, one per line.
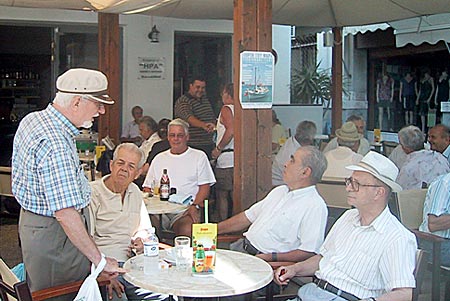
19 291
334 213
7 276
5 181
419 271
334 193
410 204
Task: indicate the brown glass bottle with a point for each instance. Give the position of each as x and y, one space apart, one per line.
164 187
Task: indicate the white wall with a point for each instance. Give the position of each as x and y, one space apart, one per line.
154 95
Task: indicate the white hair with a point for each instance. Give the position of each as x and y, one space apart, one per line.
64 99
132 148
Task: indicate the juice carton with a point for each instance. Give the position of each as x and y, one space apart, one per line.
204 242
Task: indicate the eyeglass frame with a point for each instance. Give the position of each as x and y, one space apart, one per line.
350 181
96 102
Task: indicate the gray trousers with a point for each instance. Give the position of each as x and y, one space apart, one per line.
49 256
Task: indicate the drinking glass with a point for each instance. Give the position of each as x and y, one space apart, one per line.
155 187
183 252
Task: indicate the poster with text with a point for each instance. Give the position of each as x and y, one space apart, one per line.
256 80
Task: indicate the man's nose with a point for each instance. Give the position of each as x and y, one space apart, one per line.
101 110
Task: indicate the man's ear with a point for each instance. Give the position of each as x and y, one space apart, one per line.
75 102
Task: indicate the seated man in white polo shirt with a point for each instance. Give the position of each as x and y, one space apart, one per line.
189 172
118 217
368 254
289 223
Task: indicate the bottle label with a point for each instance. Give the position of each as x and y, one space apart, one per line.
164 191
151 248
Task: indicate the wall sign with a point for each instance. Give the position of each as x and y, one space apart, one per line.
152 67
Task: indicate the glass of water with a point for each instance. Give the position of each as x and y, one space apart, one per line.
183 252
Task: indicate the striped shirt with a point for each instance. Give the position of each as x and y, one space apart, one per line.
46 171
437 202
368 261
187 106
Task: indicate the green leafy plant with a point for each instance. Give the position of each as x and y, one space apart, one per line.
310 85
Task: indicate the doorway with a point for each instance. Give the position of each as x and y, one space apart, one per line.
208 55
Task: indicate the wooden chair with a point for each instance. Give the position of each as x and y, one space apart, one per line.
410 203
16 290
334 193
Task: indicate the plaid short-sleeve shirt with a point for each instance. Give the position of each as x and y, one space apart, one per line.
46 171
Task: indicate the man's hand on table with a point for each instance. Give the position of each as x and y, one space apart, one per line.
112 269
115 286
193 213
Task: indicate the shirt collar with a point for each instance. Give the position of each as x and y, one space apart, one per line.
302 190
108 193
379 224
73 130
446 152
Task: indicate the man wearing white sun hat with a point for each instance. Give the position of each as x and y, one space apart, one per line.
368 254
49 183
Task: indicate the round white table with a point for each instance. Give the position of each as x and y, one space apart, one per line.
155 206
236 273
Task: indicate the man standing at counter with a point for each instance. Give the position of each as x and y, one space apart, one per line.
50 185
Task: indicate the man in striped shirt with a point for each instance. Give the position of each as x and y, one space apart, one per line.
195 108
436 215
368 254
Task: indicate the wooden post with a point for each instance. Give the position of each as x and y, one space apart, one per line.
108 63
253 128
336 78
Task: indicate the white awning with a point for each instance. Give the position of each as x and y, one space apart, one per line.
427 29
365 28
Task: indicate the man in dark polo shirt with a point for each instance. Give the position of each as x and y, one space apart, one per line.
195 108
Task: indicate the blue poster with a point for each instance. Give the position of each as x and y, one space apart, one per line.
256 80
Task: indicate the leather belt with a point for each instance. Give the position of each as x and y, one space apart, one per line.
334 290
250 248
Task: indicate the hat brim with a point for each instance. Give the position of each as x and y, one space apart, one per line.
394 186
102 98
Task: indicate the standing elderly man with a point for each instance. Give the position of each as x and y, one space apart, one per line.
289 223
189 171
439 138
118 216
421 166
363 144
368 253
49 183
304 135
194 108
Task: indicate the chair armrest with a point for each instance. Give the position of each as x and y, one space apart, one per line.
428 236
64 289
229 237
276 264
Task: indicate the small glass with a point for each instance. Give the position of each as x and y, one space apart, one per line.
183 253
155 187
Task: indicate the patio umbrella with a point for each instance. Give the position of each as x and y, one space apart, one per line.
314 13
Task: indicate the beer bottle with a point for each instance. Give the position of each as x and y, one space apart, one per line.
164 187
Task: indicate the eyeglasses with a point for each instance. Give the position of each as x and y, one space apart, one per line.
97 103
355 184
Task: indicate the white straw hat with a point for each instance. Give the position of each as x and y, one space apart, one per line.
82 81
380 167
